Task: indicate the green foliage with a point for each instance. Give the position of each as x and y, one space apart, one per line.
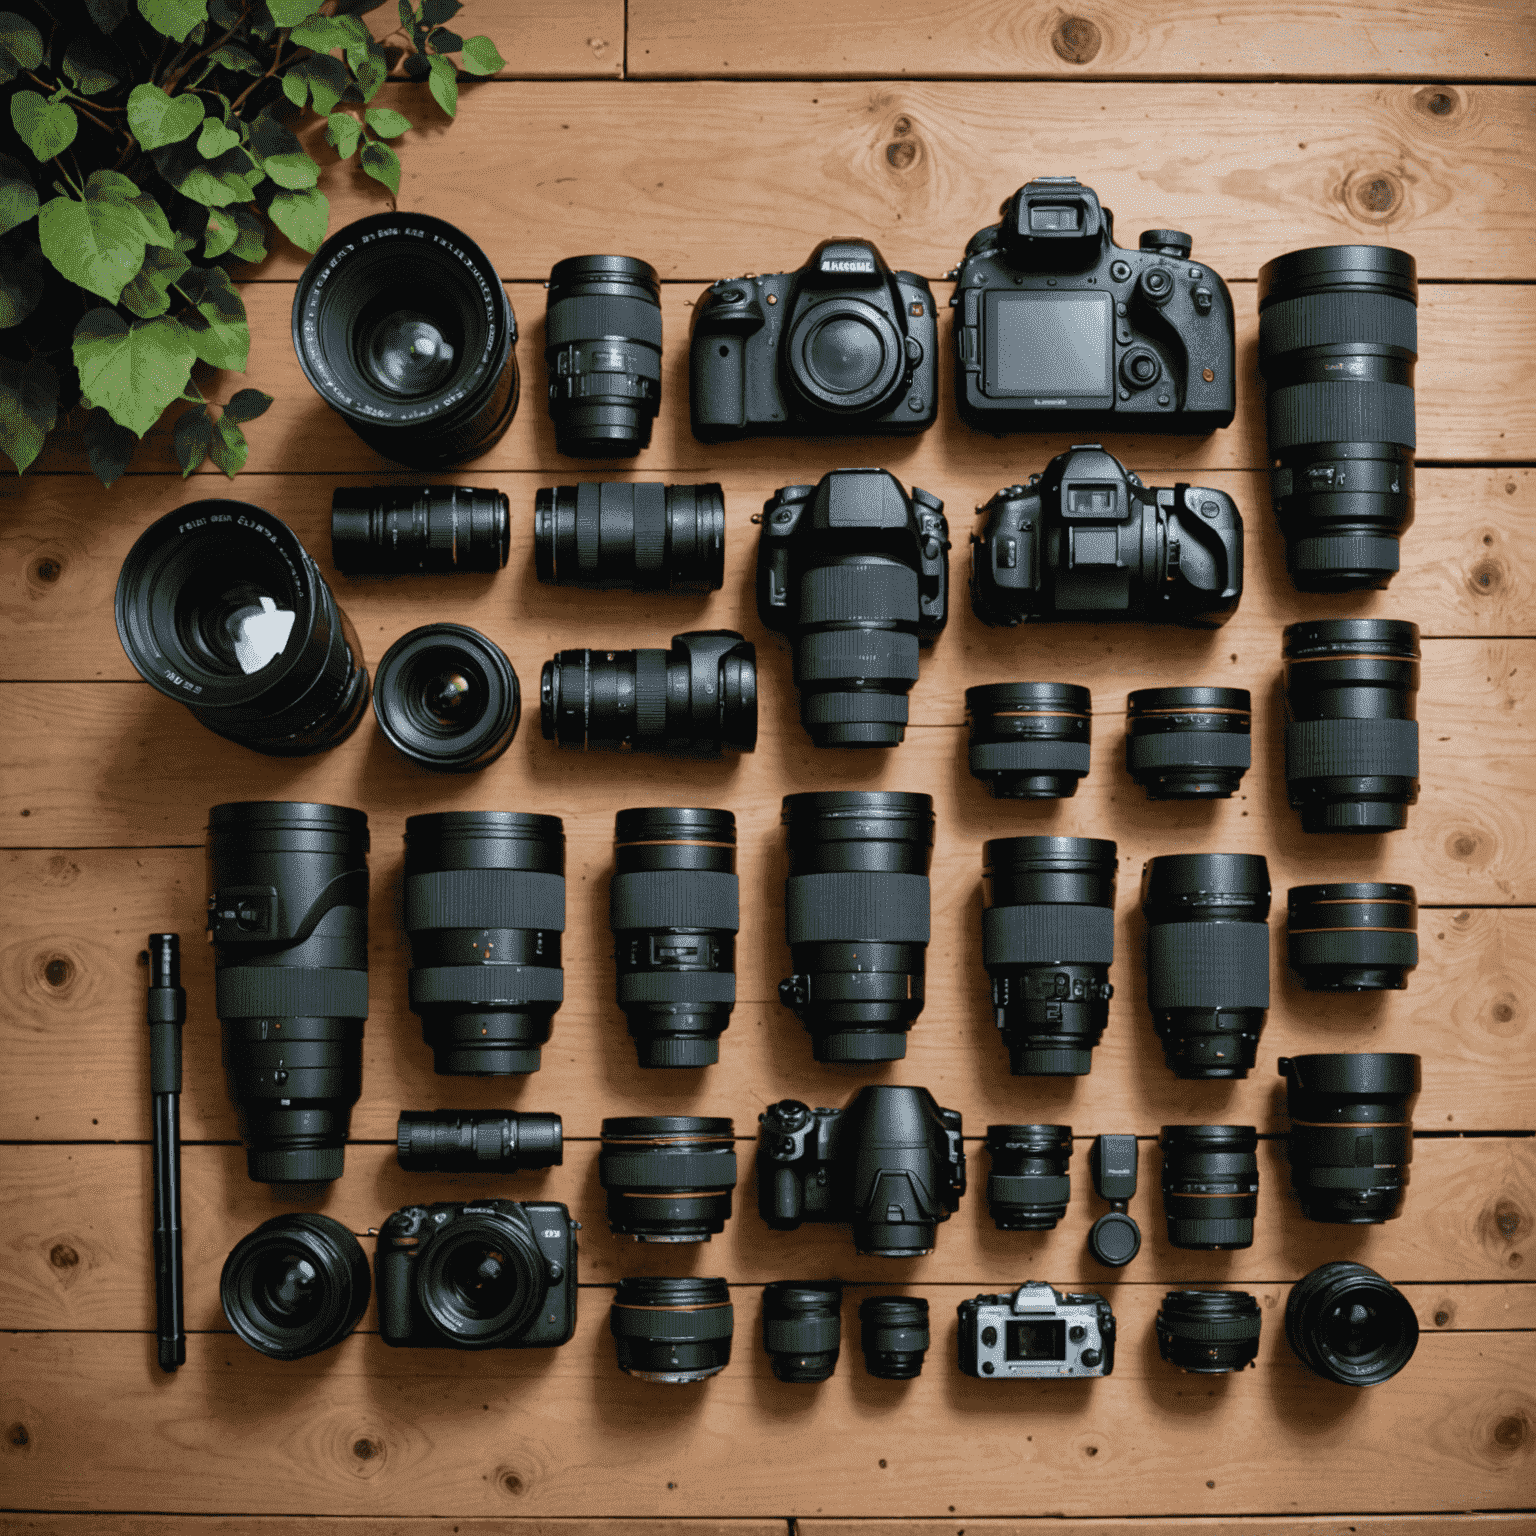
18 197
29 398
175 18
21 45
46 127
132 371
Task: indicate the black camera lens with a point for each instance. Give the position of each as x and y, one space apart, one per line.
669 1177
692 701
1028 1188
387 530
602 346
1029 741
296 1285
1351 736
1338 338
482 1280
638 537
447 698
1207 959
403 327
490 1141
288 918
672 1330
220 608
1353 936
894 1333
1189 743
1349 1325
674 908
1351 1133
856 918
802 1328
1209 1333
1047 939
1210 1185
485 908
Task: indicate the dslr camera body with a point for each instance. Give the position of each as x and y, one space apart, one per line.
843 346
1088 540
1060 328
493 1274
1038 1331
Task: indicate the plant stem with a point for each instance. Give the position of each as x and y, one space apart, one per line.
277 56
186 69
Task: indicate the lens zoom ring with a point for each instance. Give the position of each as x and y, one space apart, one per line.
1029 1189
856 905
1041 756
485 898
650 536
681 1171
1040 933
289 992
679 1327
1208 965
1369 948
842 592
676 987
1228 1332
592 317
1337 319
1327 749
674 898
830 655
1346 552
487 986
802 1335
1338 411
1189 749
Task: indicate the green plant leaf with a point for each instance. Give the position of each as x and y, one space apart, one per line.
317 78
247 405
46 127
407 16
21 45
29 400
281 155
228 448
215 139
386 122
341 133
157 119
132 371
88 67
443 82
192 438
113 187
23 272
322 33
174 18
416 66
217 327
18 197
149 293
436 12
232 178
479 56
233 56
97 245
110 446
442 40
290 13
220 233
357 7
382 163
302 216
371 72
251 242
109 15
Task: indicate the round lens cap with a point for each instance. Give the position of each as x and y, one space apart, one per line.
1114 1239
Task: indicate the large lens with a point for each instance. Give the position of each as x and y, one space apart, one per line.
1029 741
1351 736
460 1141
1349 1325
220 608
1353 936
1028 1188
674 909
674 1331
1209 1333
296 1285
638 537
602 345
669 1177
1338 338
802 1328
1210 1185
1047 939
482 1281
894 1334
1188 743
403 328
383 530
1207 959
447 698
856 919
901 1169
485 908
288 917
1351 1133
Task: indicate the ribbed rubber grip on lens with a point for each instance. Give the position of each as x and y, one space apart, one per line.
1375 948
829 593
680 1171
1350 1146
1337 319
676 987
854 708
1035 756
1346 552
674 898
1190 749
485 898
1222 1331
1327 749
1037 1189
487 986
856 905
653 1323
801 1335
593 316
289 992
650 526
1208 965
650 694
1341 411
1047 933
827 655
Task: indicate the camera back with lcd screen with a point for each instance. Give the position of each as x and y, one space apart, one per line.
1038 1331
1059 328
844 346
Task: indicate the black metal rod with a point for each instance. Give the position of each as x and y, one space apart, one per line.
167 1012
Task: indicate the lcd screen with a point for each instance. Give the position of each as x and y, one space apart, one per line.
1048 345
1044 1340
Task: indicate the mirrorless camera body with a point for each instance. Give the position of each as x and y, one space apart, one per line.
1060 329
1037 1331
843 346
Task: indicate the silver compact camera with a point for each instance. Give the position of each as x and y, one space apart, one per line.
1037 1331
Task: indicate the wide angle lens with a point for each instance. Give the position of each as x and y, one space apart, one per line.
1209 1333
1029 741
1210 1185
669 1177
1349 1325
1352 936
672 1330
1029 1186
386 530
631 536
1189 743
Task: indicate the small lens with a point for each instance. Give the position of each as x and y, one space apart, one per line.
629 536
1209 1333
385 530
1210 1185
672 1330
458 1141
1028 1187
482 1281
894 1334
1188 743
1029 741
1353 936
802 1328
1349 1325
669 1177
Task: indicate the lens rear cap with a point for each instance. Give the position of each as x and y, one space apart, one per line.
1114 1239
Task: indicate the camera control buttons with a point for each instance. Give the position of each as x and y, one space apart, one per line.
1155 285
1140 369
1203 300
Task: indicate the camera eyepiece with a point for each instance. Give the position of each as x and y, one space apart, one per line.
638 536
1189 743
803 1328
1029 1186
385 530
893 1331
490 1141
447 698
1353 936
1210 1185
1349 1325
672 1330
669 1177
1029 741
1209 1333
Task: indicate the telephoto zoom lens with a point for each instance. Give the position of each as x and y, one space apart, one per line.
387 530
1209 1333
484 909
635 537
1353 936
296 1285
692 701
1351 1133
856 918
602 346
1349 1325
669 1177
1207 959
1351 732
1029 741
1338 338
288 919
447 698
894 1334
486 1141
1210 1185
220 608
674 908
1047 939
803 1328
672 1330
402 326
1189 743
1028 1187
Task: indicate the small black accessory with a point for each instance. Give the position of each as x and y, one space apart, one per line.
167 1011
490 1141
893 1331
386 530
1114 1239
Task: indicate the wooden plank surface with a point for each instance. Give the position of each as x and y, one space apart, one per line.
539 39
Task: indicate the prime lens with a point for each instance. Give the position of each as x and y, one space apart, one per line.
672 1330
388 530
1207 959
674 908
893 1331
402 326
1351 733
1338 338
220 608
1209 1333
803 1328
1353 936
483 1279
1029 1186
488 1141
288 918
639 537
669 1177
1189 743
1210 1185
1047 940
1029 741
484 910
447 698
856 918
1349 1325
602 347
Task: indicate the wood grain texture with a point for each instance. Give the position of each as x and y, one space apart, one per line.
1250 1525
539 39
490 1525
1102 39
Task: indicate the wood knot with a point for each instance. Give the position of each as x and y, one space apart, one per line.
1436 100
365 1449
598 45
1509 490
511 1483
1485 578
48 569
1504 1220
1374 198
1076 40
58 971
1504 1016
902 127
1510 1432
64 869
1442 1318
901 153
62 1256
1091 1450
1464 846
17 1435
